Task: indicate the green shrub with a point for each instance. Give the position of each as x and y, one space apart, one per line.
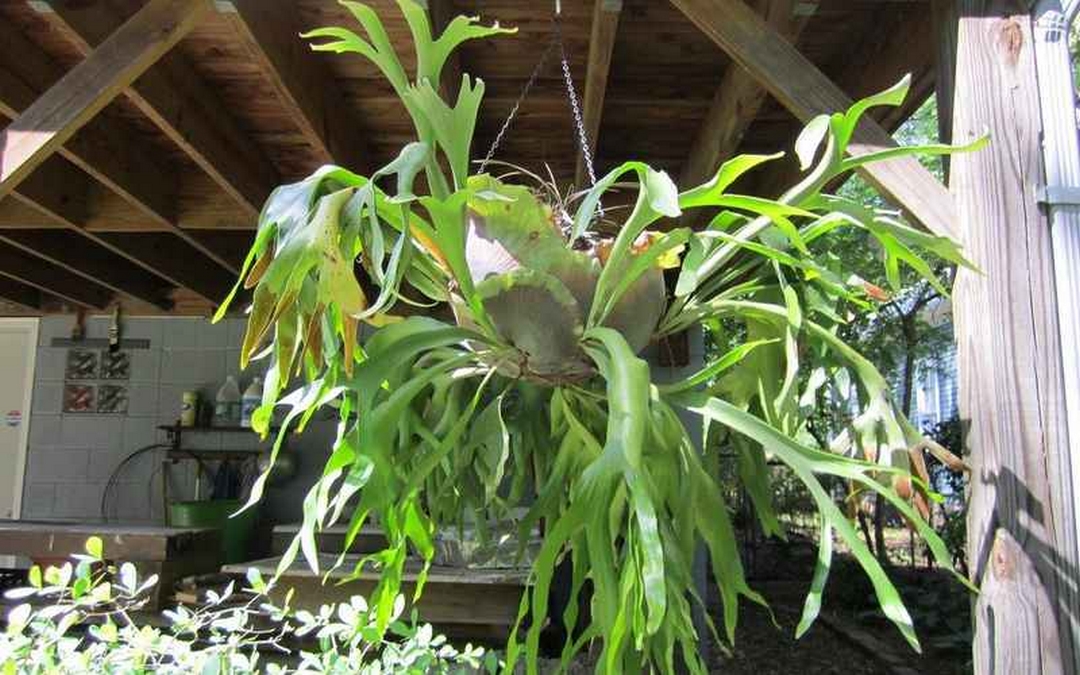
80 618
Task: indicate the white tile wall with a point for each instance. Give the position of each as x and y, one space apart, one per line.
72 456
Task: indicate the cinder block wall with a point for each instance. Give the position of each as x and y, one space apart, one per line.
71 456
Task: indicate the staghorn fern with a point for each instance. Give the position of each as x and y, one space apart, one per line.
536 396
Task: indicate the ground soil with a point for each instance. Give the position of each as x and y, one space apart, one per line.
937 602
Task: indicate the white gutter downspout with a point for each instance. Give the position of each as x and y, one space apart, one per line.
1061 197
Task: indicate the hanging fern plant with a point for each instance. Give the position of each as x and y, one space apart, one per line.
536 396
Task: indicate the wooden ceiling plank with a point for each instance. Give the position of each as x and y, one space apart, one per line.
738 99
304 83
91 261
20 294
82 92
605 26
51 279
805 91
183 106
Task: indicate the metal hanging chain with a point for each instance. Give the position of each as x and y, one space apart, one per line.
571 95
517 104
579 122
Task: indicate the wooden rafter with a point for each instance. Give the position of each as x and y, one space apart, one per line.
304 84
57 114
170 257
57 189
805 91
739 97
188 274
899 52
90 261
58 281
20 294
106 148
182 105
605 25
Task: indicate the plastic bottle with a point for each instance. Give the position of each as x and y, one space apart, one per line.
188 408
251 400
227 404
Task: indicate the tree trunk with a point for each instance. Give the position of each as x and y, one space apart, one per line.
911 342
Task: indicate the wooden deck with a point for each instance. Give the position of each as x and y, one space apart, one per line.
479 604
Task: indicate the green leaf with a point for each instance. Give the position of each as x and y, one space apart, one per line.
431 55
817 585
893 96
803 463
809 140
657 197
640 264
732 357
731 170
376 48
94 548
453 127
925 150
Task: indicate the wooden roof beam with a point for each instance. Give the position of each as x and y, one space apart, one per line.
51 279
605 26
69 104
106 148
20 294
806 92
304 83
739 97
890 61
182 105
58 190
89 260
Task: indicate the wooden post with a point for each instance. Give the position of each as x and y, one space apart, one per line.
1020 521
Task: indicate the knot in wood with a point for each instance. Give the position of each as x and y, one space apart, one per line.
1010 39
1003 557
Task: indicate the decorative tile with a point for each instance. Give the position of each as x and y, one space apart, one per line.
112 399
82 364
115 365
79 398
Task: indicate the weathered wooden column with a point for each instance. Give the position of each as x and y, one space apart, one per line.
1021 525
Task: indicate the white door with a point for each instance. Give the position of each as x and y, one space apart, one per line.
18 346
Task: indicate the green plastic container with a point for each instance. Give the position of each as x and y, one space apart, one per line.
235 532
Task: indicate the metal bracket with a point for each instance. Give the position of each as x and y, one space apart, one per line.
1058 195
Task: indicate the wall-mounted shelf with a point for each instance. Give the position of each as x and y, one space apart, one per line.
177 453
